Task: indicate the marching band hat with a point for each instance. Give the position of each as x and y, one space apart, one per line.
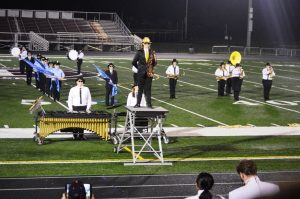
56 63
146 40
80 78
110 64
175 60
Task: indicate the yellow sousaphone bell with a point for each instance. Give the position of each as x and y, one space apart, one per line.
235 58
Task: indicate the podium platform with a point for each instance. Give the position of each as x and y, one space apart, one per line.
145 132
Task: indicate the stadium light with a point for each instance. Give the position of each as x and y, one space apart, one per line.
250 23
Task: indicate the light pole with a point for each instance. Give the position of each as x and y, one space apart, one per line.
250 23
186 19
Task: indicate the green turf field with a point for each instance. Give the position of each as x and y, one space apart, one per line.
196 104
196 93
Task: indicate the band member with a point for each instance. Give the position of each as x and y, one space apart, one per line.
173 74
229 67
79 99
221 76
144 60
22 56
42 76
79 61
58 75
113 75
48 79
237 79
29 68
132 97
267 77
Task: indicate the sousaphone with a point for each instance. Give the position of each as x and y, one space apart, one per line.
235 58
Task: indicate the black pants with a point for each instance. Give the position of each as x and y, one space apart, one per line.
28 74
42 83
267 84
172 85
145 84
79 63
236 87
228 86
37 80
54 91
47 86
221 86
78 132
109 99
22 66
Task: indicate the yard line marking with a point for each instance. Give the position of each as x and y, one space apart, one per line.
165 84
6 126
245 81
251 125
183 109
200 125
3 65
120 125
273 124
174 125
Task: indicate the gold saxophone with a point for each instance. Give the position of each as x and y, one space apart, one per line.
151 63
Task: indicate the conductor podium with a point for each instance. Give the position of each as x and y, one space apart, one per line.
142 134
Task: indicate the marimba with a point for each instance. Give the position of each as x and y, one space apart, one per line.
97 122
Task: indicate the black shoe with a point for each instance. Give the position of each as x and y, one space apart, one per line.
149 105
137 106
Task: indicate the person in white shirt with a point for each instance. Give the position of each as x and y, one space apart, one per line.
237 79
221 75
267 78
229 67
204 183
22 56
132 97
173 74
80 100
79 61
253 187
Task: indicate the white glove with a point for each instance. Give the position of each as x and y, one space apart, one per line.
134 69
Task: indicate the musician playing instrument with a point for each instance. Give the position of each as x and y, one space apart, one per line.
221 75
79 99
144 61
229 67
267 78
237 79
173 74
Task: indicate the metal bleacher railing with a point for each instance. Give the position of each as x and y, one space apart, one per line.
256 51
71 30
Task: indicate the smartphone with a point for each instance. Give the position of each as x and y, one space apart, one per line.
88 190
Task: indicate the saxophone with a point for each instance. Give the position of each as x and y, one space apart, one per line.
151 63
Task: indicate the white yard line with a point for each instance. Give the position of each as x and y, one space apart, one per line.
273 124
174 125
200 125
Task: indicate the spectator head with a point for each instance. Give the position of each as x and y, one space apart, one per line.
205 182
80 81
246 168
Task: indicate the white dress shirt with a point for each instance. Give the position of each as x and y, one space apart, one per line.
74 97
254 188
238 72
200 192
221 74
23 55
170 70
80 55
229 68
266 75
131 101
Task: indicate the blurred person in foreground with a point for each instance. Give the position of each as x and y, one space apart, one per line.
253 186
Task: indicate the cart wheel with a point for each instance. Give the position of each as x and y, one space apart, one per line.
166 139
114 140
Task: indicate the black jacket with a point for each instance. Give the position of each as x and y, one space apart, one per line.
139 61
113 77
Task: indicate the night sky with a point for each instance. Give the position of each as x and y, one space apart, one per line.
276 22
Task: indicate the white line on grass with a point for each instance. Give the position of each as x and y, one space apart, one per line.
273 124
6 126
200 125
174 125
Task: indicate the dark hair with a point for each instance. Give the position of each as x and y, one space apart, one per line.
77 190
229 62
268 64
222 63
205 182
174 60
238 65
247 167
110 64
80 78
